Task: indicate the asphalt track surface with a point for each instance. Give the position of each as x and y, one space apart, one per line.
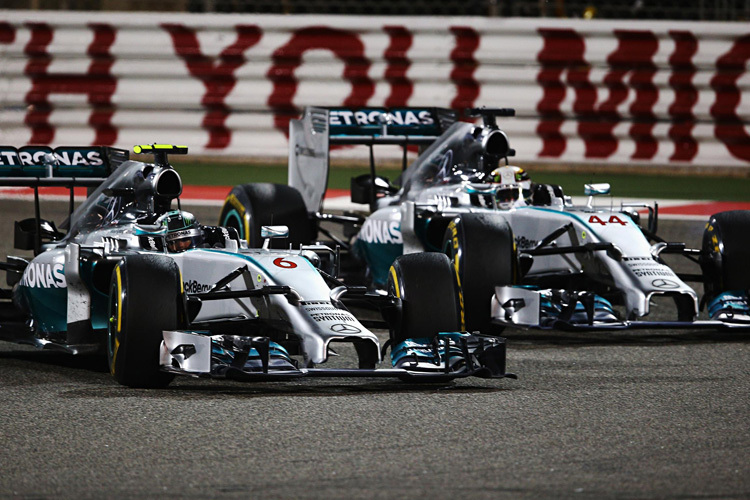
634 415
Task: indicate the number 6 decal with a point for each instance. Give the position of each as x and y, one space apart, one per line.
284 264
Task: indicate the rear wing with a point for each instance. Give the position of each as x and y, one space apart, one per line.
43 166
311 137
402 126
67 166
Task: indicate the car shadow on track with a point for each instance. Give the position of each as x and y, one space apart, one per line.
222 390
90 362
25 367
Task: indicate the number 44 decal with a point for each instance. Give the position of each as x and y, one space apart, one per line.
613 219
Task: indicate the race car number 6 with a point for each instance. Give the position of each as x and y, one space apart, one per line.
284 264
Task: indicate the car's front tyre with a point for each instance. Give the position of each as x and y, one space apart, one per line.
482 253
424 283
146 297
725 256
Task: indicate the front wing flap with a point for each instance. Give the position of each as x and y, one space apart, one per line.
243 358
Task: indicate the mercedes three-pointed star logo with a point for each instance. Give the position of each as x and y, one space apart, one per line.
343 328
662 283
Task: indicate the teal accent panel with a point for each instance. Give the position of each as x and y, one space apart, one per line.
379 257
99 300
49 307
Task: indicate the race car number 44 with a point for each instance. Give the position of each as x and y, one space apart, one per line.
613 219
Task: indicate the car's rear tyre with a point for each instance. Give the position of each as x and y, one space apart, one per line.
482 252
725 258
250 206
424 283
145 298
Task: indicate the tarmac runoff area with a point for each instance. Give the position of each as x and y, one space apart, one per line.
631 415
339 200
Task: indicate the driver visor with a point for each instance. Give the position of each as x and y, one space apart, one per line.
182 240
508 194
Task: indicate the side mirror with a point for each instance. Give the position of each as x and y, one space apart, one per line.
274 232
365 189
26 232
596 189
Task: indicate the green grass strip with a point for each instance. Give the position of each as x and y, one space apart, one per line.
693 187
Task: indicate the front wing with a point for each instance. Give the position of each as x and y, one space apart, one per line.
449 356
526 307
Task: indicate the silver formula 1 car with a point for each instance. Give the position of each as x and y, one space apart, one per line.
522 253
164 295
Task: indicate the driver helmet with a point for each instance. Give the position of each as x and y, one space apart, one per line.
183 231
512 186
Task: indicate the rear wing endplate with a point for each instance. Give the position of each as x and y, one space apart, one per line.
311 137
308 156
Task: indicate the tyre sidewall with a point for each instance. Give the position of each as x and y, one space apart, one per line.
237 212
482 252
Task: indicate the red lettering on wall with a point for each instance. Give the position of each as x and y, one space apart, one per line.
345 45
636 52
398 65
7 33
634 57
685 96
563 51
631 68
464 66
97 84
217 76
729 127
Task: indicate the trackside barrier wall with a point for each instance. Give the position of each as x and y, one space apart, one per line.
619 92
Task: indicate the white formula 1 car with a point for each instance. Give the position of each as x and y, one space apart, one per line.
522 254
164 295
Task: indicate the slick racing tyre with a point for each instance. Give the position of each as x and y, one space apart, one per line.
424 283
725 256
250 206
482 252
145 298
